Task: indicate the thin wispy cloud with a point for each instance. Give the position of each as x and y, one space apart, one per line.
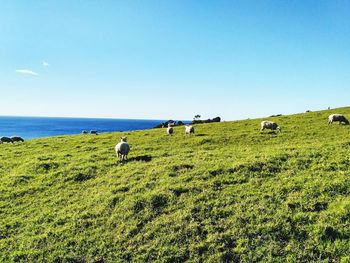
45 64
26 72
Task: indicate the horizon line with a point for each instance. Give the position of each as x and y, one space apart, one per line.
116 118
78 117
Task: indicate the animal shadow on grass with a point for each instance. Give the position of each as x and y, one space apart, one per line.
201 134
269 133
141 158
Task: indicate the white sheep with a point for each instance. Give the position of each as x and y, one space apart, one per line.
337 117
122 149
189 129
170 130
270 125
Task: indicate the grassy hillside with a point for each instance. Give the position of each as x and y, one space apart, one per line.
226 194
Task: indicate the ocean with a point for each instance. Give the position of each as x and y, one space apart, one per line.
38 127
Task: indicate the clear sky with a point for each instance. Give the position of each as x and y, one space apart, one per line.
173 59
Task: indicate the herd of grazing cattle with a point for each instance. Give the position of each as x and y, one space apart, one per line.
270 125
11 139
122 149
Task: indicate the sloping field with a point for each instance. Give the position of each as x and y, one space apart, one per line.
226 194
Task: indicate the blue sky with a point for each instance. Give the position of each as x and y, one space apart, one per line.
173 59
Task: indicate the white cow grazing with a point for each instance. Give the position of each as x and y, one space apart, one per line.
170 130
122 149
337 117
189 129
270 125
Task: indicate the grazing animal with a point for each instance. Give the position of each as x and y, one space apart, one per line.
17 139
93 132
170 130
270 125
84 132
122 149
189 129
337 117
5 139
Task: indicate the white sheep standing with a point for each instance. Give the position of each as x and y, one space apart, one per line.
270 125
337 117
170 130
122 149
189 129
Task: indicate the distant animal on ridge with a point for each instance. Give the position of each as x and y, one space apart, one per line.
270 125
17 139
5 139
93 132
189 129
122 149
84 132
170 130
339 118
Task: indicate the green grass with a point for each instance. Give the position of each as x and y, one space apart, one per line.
226 194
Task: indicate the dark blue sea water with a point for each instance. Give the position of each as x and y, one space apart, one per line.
36 127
